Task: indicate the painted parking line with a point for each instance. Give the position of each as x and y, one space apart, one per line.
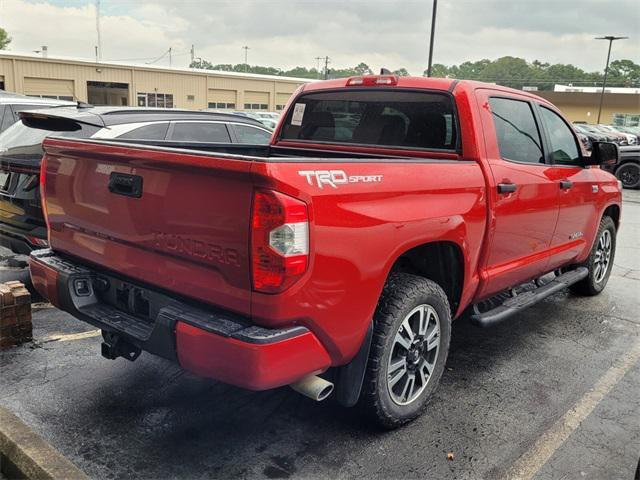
72 336
529 463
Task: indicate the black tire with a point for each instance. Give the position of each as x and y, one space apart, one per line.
629 175
402 294
591 285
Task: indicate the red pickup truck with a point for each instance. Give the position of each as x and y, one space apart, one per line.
383 208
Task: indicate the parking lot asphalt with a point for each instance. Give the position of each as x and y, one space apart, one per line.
553 392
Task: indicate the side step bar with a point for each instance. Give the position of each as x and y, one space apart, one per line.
523 300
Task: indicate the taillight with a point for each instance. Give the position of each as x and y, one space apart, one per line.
372 81
43 202
279 241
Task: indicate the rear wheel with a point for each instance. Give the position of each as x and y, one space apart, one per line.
412 329
629 175
600 261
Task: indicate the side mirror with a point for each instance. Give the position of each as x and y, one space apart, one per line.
603 153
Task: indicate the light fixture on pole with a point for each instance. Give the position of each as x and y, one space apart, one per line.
610 38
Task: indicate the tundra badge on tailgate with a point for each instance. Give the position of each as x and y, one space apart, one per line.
334 178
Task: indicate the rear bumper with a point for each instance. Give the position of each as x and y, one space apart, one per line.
210 343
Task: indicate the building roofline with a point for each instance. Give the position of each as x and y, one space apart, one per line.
136 66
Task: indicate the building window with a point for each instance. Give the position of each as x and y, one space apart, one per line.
54 97
626 120
161 100
256 106
279 107
222 105
191 98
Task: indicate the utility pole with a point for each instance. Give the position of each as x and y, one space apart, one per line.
433 31
318 67
610 38
193 55
246 65
326 68
169 57
99 50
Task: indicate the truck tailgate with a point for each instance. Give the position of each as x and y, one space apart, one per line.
173 219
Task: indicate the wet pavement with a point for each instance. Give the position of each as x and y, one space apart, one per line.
553 392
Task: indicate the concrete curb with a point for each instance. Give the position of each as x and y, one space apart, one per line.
23 450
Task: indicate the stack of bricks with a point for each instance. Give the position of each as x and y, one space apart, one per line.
15 314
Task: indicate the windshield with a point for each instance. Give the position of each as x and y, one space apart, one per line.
374 117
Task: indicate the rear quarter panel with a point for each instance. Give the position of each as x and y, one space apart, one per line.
359 229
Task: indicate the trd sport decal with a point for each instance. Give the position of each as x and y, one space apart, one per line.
333 178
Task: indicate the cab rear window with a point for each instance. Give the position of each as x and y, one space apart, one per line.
420 120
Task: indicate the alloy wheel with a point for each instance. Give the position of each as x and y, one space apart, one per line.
602 257
413 354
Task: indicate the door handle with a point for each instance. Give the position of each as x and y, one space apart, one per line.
506 187
566 184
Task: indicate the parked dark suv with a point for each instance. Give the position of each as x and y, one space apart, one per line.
22 226
627 169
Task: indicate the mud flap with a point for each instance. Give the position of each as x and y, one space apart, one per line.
349 377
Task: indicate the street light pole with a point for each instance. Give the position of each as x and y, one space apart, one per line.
611 38
433 31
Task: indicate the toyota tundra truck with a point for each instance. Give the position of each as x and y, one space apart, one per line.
334 259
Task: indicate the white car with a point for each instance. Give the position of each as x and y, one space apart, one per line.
631 139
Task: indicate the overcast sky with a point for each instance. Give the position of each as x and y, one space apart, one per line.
287 33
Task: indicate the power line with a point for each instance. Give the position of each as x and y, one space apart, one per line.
160 57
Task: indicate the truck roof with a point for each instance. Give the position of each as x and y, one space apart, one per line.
430 83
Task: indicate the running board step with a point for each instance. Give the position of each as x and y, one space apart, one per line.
521 301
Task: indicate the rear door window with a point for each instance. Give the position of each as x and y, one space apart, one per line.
202 132
393 118
517 133
251 135
154 131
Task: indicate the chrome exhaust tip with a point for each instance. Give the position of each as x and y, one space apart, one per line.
314 387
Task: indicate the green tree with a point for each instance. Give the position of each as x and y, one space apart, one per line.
362 69
401 72
438 70
469 70
509 71
302 72
625 72
5 39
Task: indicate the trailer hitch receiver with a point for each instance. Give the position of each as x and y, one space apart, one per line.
115 346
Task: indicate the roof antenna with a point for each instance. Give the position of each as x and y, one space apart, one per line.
385 71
